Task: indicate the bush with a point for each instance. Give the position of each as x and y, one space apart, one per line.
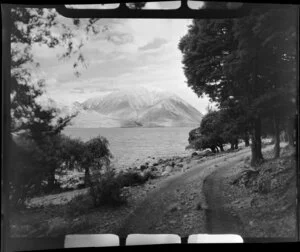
130 179
149 175
107 190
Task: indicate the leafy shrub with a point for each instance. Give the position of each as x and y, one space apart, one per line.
107 190
95 156
130 179
149 175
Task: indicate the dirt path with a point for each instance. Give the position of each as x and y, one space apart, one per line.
218 220
178 204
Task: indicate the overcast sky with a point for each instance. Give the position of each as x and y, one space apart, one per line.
132 52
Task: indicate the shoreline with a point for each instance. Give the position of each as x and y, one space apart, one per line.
161 167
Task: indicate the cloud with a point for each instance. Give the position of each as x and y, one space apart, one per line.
120 38
155 43
77 90
132 52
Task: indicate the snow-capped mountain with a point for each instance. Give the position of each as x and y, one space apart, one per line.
137 107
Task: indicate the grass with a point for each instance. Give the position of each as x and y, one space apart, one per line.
273 194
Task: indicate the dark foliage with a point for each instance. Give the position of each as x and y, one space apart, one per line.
107 190
246 66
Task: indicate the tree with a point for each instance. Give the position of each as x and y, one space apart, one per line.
71 152
228 60
208 135
95 156
268 53
40 126
205 142
211 127
277 29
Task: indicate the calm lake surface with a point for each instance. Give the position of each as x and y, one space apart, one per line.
134 146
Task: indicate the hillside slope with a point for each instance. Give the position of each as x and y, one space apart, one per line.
136 108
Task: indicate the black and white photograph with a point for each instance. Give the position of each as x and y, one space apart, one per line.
152 125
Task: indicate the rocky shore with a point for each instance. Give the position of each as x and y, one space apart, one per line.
62 213
72 182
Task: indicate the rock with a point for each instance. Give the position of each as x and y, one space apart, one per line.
180 165
143 167
168 169
274 183
185 216
194 154
251 223
165 173
155 164
201 206
153 168
173 207
172 222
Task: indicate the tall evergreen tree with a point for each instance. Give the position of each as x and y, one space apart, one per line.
230 60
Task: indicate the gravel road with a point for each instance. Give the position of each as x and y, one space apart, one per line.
178 205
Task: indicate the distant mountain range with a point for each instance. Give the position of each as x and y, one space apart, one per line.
137 107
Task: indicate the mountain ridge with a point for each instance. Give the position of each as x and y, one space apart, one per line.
135 108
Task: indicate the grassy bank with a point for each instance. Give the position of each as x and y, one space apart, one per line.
264 199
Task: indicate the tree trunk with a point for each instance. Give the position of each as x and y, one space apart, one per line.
87 177
221 147
246 139
257 156
289 132
236 144
232 146
51 180
217 149
276 137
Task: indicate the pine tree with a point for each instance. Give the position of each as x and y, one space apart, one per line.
248 62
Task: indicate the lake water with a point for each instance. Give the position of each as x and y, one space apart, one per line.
134 146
